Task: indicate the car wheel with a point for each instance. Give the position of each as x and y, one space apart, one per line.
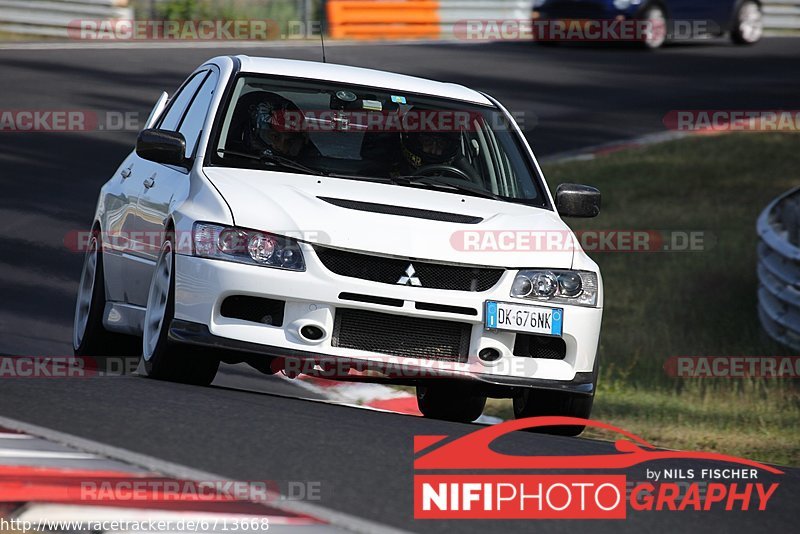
89 336
163 359
748 24
546 402
542 402
450 403
656 31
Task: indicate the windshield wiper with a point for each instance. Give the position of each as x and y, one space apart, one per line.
274 159
432 181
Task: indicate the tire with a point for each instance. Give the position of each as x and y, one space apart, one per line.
748 23
161 358
657 34
450 403
89 336
540 402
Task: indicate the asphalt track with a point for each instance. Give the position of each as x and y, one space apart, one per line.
255 429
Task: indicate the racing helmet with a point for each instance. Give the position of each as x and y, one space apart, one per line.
270 121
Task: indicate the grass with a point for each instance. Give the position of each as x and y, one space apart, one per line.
279 10
10 37
700 303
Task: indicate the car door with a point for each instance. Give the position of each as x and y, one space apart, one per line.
682 10
157 184
119 211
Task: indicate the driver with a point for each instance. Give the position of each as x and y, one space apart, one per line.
263 127
423 149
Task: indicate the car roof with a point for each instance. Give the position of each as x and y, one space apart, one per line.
356 75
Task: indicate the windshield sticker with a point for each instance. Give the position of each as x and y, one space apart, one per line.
372 105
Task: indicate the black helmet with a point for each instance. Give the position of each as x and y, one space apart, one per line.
264 117
427 148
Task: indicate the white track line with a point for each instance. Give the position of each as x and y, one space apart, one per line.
333 517
46 455
9 435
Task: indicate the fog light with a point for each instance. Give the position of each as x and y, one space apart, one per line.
312 333
261 247
489 355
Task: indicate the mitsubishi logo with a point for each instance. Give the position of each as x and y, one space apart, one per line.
410 278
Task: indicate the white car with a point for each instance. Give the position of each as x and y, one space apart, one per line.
314 218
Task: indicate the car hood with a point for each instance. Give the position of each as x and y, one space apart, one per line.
292 204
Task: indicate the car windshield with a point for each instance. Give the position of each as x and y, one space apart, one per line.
371 134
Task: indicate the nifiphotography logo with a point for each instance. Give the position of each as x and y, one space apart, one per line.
503 486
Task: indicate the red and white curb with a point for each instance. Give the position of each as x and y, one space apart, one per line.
45 486
370 396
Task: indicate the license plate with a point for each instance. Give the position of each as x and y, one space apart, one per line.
524 318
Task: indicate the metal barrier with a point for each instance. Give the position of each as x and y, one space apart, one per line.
389 19
782 15
349 19
778 269
50 18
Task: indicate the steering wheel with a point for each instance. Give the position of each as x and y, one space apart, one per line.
441 169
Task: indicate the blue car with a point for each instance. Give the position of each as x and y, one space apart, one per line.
664 19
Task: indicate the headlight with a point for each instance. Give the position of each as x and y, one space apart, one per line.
561 287
247 246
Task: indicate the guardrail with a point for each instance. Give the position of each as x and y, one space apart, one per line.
778 269
347 19
387 19
390 19
50 18
782 15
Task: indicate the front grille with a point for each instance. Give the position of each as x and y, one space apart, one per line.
390 270
397 335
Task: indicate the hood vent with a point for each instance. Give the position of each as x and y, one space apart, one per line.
402 211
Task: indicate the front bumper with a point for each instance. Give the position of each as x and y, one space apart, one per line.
313 296
198 334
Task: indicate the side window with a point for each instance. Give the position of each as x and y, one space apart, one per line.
180 102
192 124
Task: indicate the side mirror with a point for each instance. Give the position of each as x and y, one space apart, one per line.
575 200
162 146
